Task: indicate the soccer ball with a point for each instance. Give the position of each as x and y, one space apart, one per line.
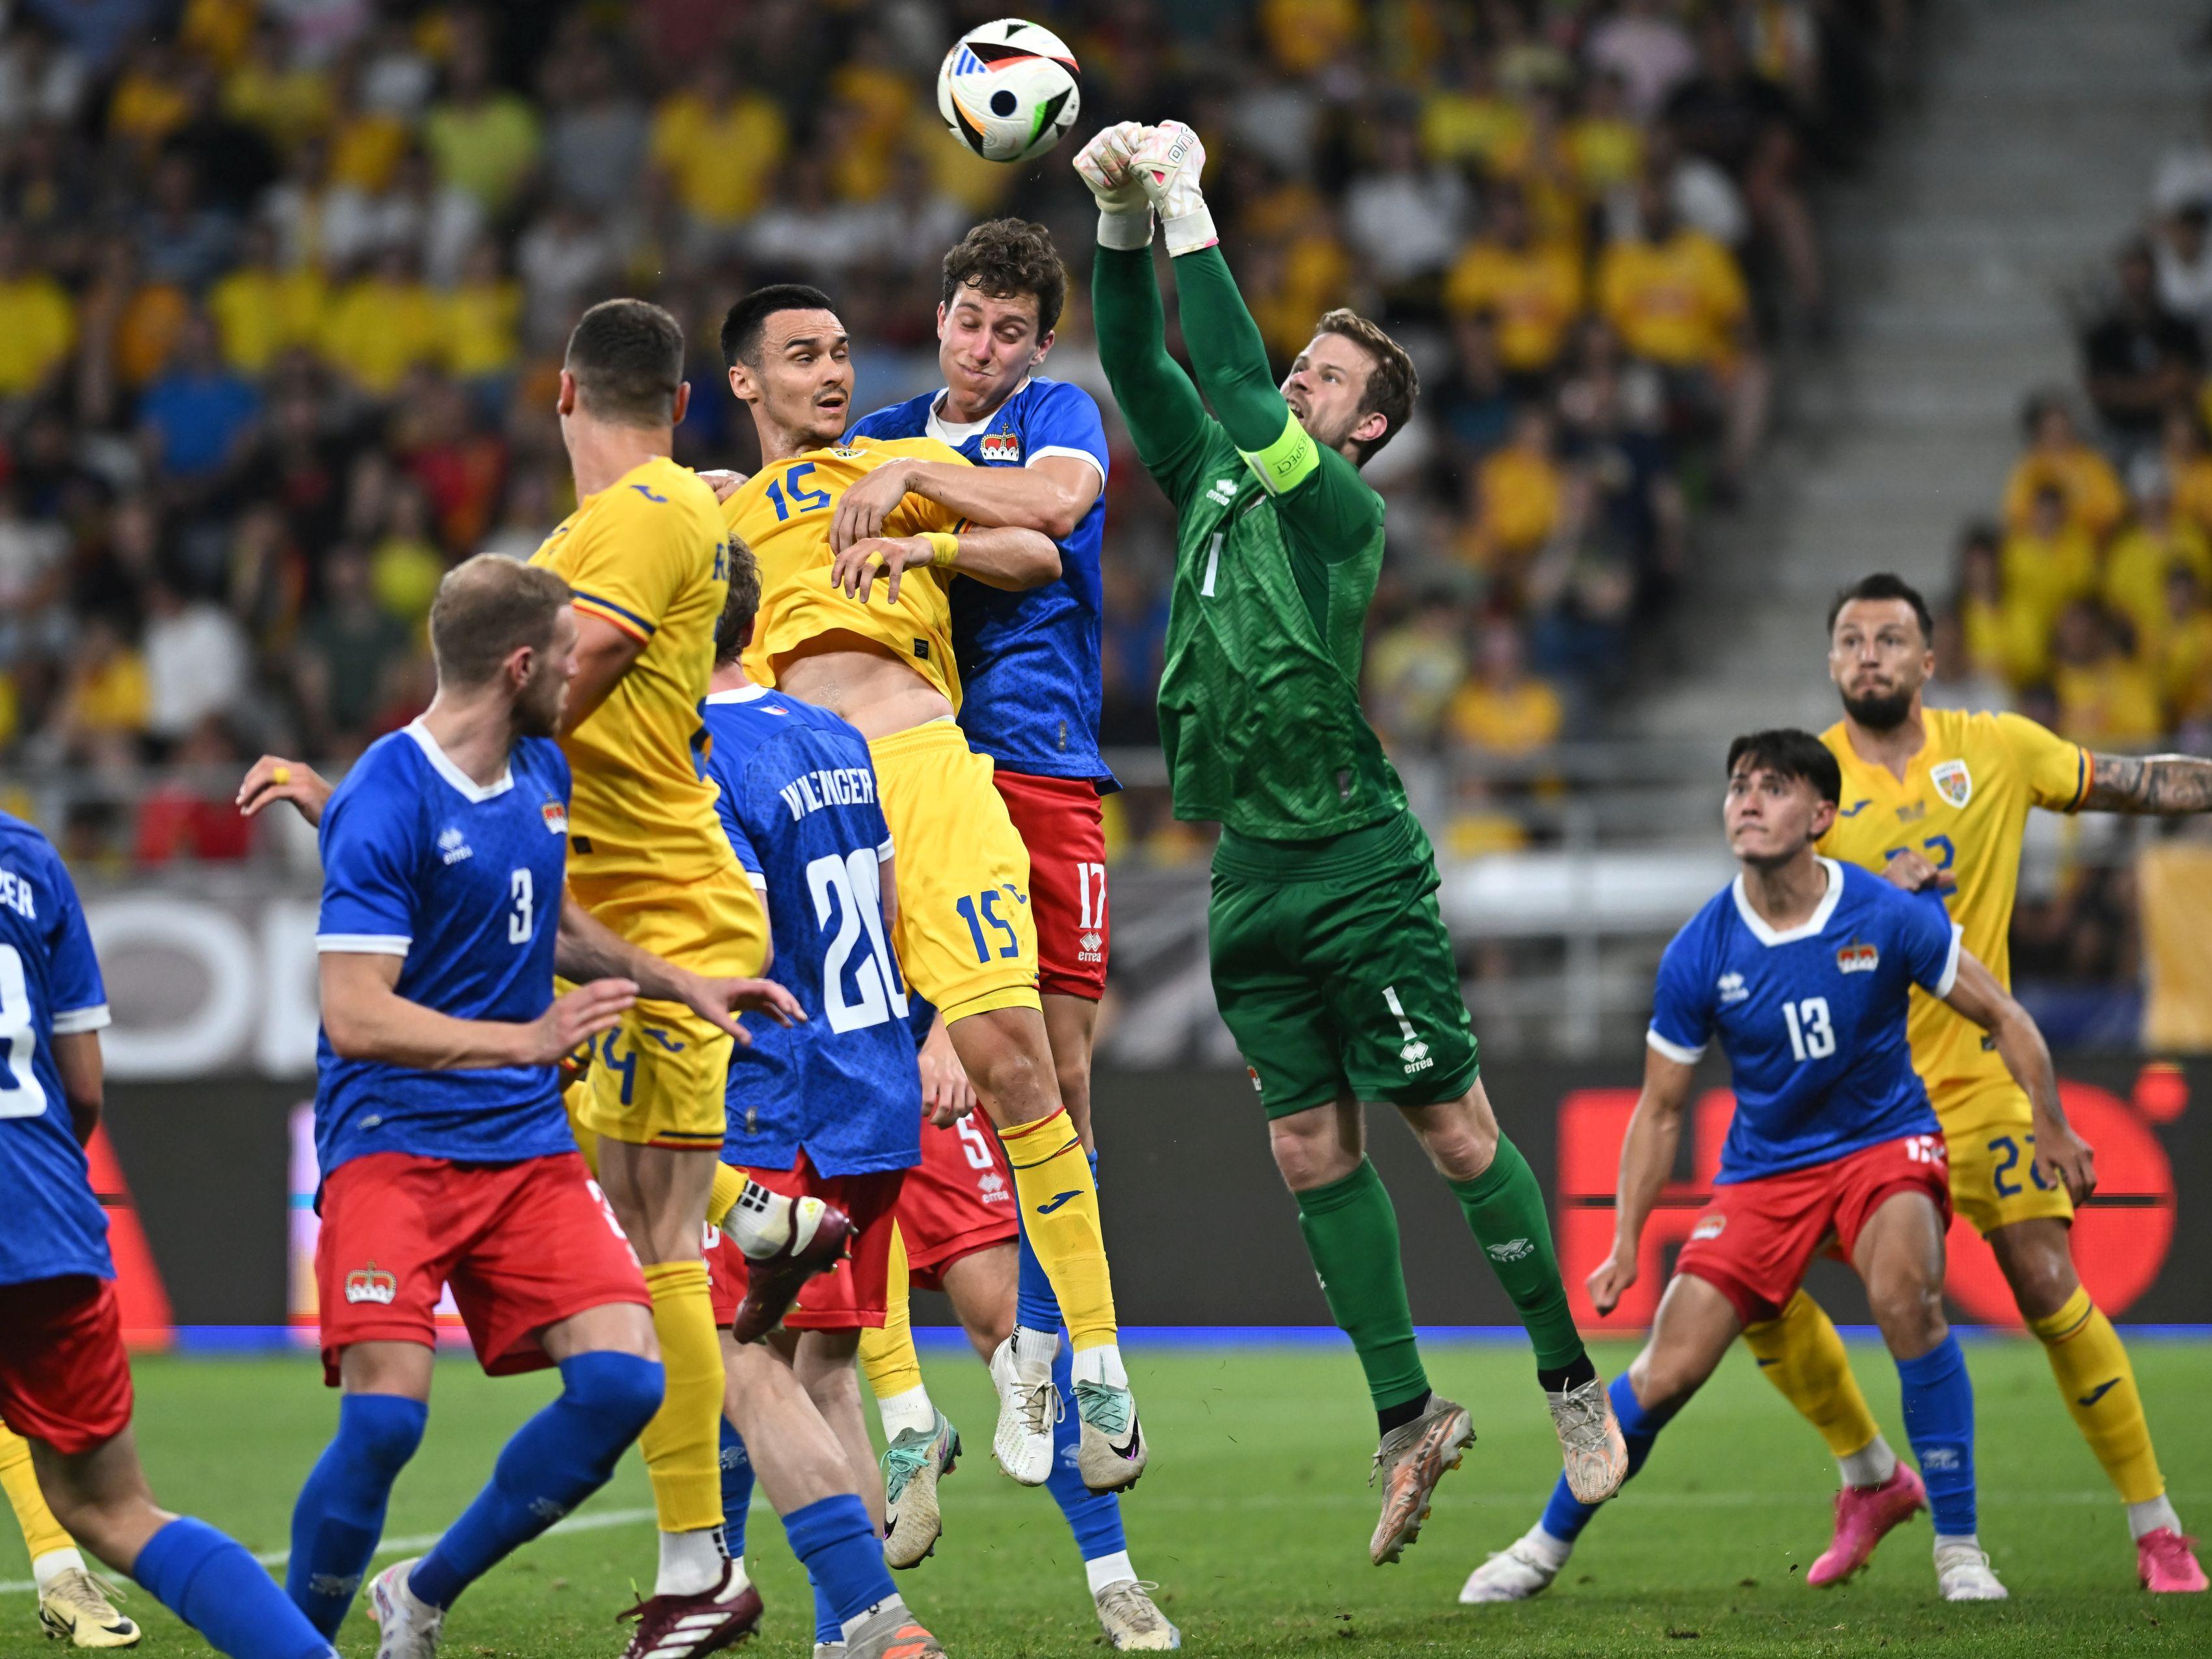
1009 90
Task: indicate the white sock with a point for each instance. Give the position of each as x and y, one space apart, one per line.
1870 1465
760 1220
1101 1365
910 1410
54 1564
1033 1352
2141 1517
1956 1540
1552 1552
889 1604
691 1562
1113 1569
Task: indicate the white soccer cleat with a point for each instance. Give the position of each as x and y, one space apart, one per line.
1962 1574
1132 1621
1029 1405
78 1608
1590 1446
407 1627
1521 1569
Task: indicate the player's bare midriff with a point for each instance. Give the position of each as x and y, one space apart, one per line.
860 681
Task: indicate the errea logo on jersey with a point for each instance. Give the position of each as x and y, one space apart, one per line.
1858 957
453 846
371 1284
1730 988
1221 491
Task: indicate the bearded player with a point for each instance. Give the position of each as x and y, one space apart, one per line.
965 931
646 559
1938 798
1330 961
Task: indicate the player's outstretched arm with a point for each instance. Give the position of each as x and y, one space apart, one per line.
2062 1155
588 951
274 779
1049 495
1647 1154
1015 560
365 1018
2164 785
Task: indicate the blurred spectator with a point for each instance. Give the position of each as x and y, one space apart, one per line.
406 566
2105 697
2009 644
1405 217
2184 660
2187 467
1504 710
484 138
1413 669
1642 44
2091 500
2141 359
383 324
199 414
181 241
2047 566
715 148
2133 582
351 643
1534 292
33 552
260 310
2183 250
38 324
1517 494
596 144
193 814
196 661
104 704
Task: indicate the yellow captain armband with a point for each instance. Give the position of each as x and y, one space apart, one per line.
944 549
1286 463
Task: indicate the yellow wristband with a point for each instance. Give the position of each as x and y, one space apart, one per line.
944 548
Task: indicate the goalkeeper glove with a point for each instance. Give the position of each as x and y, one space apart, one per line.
1125 214
1169 163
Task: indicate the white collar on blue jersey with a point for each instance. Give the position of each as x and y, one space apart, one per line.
442 764
1810 927
738 694
951 434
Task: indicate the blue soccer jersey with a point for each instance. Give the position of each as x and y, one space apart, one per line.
797 795
1813 1020
464 881
1028 661
51 1226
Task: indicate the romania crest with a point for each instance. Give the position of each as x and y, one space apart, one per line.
1953 782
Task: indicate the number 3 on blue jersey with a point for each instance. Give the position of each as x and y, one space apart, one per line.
20 1095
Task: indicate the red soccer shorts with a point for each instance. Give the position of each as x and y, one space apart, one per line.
1756 1238
959 1201
64 1377
1058 821
523 1245
852 1295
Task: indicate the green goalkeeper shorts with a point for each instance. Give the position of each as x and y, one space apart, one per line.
1333 970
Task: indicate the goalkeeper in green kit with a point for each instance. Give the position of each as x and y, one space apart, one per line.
1330 961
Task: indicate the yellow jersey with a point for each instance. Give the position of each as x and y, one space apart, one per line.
1963 806
649 554
783 513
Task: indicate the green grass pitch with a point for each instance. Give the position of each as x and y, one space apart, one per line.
1255 1519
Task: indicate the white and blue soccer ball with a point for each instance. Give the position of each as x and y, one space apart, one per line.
1009 90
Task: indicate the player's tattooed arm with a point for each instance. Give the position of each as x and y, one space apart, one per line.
2163 785
587 950
1647 1156
2062 1156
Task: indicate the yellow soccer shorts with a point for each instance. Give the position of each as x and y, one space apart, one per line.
659 1078
1989 1129
965 937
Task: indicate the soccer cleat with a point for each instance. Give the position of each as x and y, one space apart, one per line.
829 1651
79 1609
891 1633
1590 1446
912 1464
1864 1516
406 1627
1411 1460
1513 1574
1962 1574
2166 1564
1132 1623
684 1626
1111 1453
1029 1405
818 1238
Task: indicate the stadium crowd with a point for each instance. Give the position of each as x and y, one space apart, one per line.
283 288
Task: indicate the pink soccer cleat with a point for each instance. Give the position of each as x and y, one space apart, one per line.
2166 1564
1864 1516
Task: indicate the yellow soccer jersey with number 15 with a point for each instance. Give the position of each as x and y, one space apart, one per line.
783 513
648 554
1963 806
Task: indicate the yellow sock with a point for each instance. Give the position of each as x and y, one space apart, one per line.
683 1443
42 1533
2091 1364
729 1187
887 1356
588 1143
1802 1355
1060 1213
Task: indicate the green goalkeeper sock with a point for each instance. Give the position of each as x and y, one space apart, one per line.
1352 1233
1504 1208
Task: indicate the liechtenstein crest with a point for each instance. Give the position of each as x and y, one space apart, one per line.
1953 782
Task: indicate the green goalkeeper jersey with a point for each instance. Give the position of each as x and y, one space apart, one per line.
1279 544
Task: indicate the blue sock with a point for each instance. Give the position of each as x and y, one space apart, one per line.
1035 1308
555 1462
736 1489
1095 1517
1565 1515
340 1514
1939 1421
224 1594
829 1628
838 1545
